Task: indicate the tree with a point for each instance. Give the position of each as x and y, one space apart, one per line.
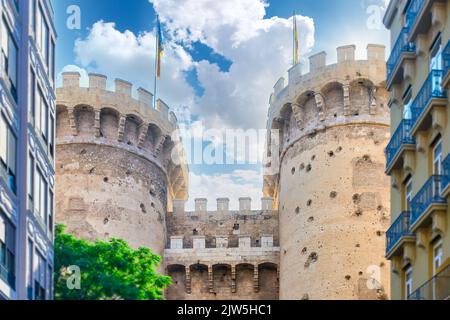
107 270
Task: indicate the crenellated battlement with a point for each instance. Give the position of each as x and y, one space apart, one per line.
121 98
116 119
345 92
223 207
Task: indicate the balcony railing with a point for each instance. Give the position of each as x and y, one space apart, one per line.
414 9
8 277
446 176
401 45
428 195
431 89
398 230
438 288
446 58
401 137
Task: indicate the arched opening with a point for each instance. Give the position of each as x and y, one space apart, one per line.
307 101
132 127
244 280
199 281
62 122
268 281
360 96
85 120
109 123
333 94
176 291
222 281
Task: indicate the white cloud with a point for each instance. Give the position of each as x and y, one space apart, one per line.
131 57
234 185
260 50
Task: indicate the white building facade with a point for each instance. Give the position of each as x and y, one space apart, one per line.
27 122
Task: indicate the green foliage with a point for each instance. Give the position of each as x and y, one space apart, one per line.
109 270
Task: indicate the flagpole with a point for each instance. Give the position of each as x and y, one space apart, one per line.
293 39
156 67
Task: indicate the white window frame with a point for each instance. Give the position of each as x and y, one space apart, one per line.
437 158
408 282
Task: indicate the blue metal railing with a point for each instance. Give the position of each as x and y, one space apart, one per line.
401 45
401 136
432 88
399 229
429 194
446 169
414 9
438 288
446 58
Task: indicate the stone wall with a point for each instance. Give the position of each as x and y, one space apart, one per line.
333 196
223 255
114 170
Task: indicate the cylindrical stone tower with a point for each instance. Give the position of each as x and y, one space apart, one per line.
115 173
330 185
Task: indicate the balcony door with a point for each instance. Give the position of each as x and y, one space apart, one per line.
408 194
408 283
438 253
436 62
437 158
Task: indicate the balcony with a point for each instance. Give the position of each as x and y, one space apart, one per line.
398 232
438 288
401 140
430 96
427 202
446 64
401 50
446 177
421 15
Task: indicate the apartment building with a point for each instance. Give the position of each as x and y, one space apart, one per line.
418 155
27 121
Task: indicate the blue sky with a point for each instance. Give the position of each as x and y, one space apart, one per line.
223 58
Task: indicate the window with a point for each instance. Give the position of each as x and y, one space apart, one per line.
40 277
32 97
438 253
8 151
7 251
50 212
436 54
408 283
437 158
41 116
30 186
30 269
42 36
40 195
52 63
408 194
51 145
407 102
9 53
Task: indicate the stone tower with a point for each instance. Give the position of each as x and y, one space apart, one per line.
115 174
332 193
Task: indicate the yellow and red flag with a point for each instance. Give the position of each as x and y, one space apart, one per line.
160 49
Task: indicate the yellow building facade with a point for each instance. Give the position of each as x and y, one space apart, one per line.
418 155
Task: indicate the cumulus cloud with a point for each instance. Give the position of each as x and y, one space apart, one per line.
239 183
260 51
131 57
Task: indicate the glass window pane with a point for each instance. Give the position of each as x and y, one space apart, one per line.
3 140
